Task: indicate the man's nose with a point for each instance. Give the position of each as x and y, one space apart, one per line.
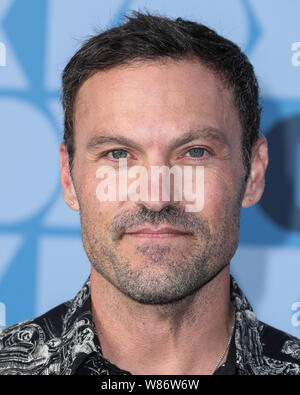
163 184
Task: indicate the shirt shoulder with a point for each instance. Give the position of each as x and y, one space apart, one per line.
275 352
54 343
27 347
280 345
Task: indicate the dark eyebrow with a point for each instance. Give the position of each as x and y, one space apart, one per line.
194 134
208 133
99 140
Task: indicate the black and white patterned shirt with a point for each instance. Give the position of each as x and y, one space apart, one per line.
63 341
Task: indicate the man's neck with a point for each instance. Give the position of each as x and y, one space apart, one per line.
186 337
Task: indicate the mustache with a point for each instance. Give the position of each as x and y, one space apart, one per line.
171 214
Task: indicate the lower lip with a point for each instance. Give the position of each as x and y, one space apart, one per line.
157 235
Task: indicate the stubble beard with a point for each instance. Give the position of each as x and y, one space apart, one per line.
163 274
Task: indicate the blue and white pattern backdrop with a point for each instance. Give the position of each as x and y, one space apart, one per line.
42 261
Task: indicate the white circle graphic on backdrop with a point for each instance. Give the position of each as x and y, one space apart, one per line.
29 160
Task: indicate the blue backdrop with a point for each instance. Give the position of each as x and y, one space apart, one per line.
42 261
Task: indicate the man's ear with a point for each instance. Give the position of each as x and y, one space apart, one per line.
68 190
256 179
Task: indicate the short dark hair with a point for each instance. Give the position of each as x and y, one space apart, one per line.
145 36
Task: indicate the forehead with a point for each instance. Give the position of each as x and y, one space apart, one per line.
152 100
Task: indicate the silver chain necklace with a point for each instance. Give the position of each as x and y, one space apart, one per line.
226 348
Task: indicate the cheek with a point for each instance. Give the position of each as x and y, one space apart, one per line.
95 199
220 193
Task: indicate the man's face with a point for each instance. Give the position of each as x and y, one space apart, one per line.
153 106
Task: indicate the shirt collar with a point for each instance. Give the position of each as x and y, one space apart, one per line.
79 337
248 329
